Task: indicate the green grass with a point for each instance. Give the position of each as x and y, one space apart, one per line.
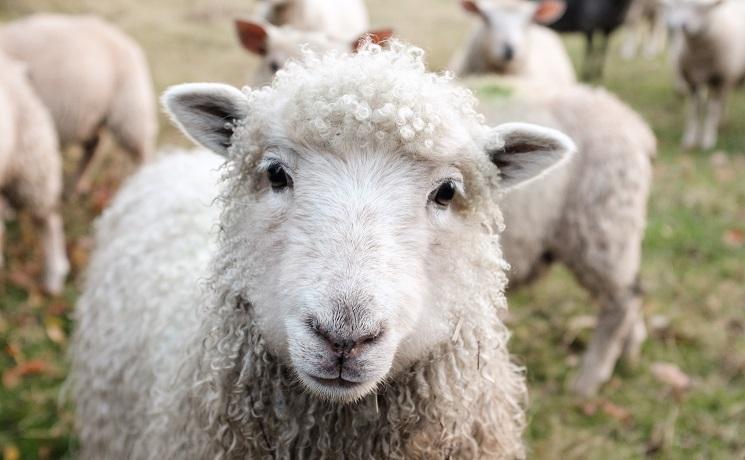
694 261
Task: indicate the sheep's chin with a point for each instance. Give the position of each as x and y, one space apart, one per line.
342 392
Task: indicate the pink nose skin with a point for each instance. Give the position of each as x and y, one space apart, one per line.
347 345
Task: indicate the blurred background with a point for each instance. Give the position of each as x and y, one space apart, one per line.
685 399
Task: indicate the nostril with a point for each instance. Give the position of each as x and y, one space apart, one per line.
343 343
509 52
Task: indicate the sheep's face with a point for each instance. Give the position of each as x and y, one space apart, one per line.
345 220
277 45
351 233
506 26
689 16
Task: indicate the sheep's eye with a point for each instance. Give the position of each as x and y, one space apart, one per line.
278 177
274 66
444 193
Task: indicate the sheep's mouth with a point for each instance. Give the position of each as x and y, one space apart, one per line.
337 382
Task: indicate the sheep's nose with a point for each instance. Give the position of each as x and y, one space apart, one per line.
509 52
349 344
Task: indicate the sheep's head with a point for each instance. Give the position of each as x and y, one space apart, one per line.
506 25
357 183
277 45
689 16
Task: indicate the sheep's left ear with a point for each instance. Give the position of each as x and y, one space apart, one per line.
549 11
205 112
523 152
374 36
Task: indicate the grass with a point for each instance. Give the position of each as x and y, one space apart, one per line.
694 261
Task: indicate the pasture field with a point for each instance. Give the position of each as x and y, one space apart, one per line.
694 260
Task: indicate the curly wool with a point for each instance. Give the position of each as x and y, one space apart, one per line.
230 396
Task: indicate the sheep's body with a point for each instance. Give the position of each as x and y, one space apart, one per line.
711 62
167 366
30 166
90 75
176 234
588 214
343 20
545 60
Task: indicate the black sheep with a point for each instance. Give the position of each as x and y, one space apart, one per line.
589 17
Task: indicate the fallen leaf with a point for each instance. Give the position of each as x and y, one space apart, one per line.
22 280
608 408
734 238
11 452
53 327
671 375
581 322
12 377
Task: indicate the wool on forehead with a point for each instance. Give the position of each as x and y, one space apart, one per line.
383 96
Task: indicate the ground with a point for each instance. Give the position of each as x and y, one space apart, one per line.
694 261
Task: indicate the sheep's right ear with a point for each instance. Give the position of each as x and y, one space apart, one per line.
206 111
376 37
253 36
523 151
549 11
472 6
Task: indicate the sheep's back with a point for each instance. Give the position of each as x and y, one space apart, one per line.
30 166
140 301
76 64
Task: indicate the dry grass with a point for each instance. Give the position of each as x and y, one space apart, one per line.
694 262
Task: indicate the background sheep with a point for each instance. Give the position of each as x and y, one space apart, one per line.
589 213
645 22
358 261
90 75
508 42
30 167
590 17
710 58
342 20
276 45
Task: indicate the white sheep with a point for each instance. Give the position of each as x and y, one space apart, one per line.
589 213
352 305
341 20
90 75
509 42
277 45
710 59
30 167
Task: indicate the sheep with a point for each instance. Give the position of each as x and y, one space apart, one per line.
31 168
589 17
588 214
710 58
351 308
276 45
341 20
90 75
645 23
509 43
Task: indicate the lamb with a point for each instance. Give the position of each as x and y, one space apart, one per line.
351 308
590 17
589 213
30 167
341 20
508 42
90 75
710 58
277 45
